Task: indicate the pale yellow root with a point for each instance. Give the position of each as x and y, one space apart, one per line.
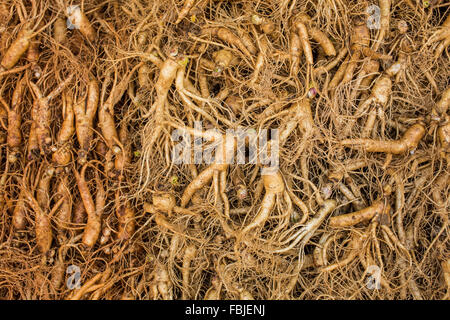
408 142
385 14
324 69
267 25
200 181
443 132
323 41
166 77
295 52
185 10
339 74
16 49
355 247
226 35
446 270
303 35
106 120
351 219
81 22
163 284
43 229
189 255
273 185
59 31
443 35
443 104
84 119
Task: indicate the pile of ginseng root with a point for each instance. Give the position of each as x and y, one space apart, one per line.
93 204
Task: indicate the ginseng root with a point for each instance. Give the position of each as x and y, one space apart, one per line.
407 143
350 219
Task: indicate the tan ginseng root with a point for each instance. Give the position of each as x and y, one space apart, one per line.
385 14
359 44
154 128
14 137
379 96
60 31
226 146
32 143
79 21
106 120
295 52
126 217
446 270
189 255
43 229
185 10
229 37
85 111
223 59
213 292
41 207
166 203
352 194
443 132
274 187
299 115
23 40
302 32
125 213
320 258
19 215
62 152
267 25
354 247
260 59
107 157
404 56
317 35
365 77
79 216
440 187
407 143
440 118
240 187
443 104
94 210
402 237
351 219
333 63
345 168
161 283
360 37
90 285
247 40
43 189
189 105
63 216
307 230
33 57
442 36
123 158
42 114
